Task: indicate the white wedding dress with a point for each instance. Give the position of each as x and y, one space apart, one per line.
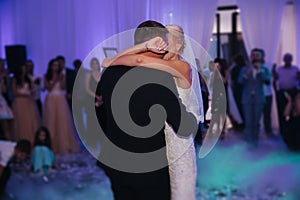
181 157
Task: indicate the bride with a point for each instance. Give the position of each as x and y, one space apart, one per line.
180 151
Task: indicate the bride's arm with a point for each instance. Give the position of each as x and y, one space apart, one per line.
177 68
156 45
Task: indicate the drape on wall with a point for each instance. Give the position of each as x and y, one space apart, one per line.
260 21
288 35
196 17
297 16
74 27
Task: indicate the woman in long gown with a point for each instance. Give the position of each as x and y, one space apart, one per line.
181 153
6 114
92 79
26 116
57 115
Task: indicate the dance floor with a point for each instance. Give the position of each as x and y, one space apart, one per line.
231 171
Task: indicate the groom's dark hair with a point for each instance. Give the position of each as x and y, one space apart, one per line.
148 30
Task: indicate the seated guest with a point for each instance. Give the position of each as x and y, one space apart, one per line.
42 156
292 118
8 152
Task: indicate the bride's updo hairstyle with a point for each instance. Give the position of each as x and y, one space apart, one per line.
178 33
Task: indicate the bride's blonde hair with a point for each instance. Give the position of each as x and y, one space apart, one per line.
178 33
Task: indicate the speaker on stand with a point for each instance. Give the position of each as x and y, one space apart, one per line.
15 56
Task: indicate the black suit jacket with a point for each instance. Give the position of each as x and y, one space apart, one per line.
70 80
140 102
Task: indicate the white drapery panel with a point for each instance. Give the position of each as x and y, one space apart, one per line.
288 35
261 20
196 17
297 15
74 27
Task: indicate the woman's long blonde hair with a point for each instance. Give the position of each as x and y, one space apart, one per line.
178 33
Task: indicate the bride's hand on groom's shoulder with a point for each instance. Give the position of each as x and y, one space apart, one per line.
157 45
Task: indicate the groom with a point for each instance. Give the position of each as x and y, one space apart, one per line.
144 173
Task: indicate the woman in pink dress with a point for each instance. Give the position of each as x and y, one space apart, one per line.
26 116
57 115
6 114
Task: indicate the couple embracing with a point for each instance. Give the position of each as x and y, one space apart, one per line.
149 117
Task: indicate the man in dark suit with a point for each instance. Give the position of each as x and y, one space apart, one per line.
133 153
70 78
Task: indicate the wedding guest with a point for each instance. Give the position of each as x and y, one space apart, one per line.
269 98
70 75
205 97
37 85
61 63
209 80
92 79
78 101
5 112
237 88
292 118
42 157
253 78
287 78
5 80
57 114
203 86
10 151
70 80
26 116
222 66
218 101
77 64
203 70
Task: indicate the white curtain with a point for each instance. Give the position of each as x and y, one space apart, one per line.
288 33
74 27
260 21
71 27
297 16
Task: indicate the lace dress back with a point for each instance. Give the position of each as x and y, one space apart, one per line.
181 157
